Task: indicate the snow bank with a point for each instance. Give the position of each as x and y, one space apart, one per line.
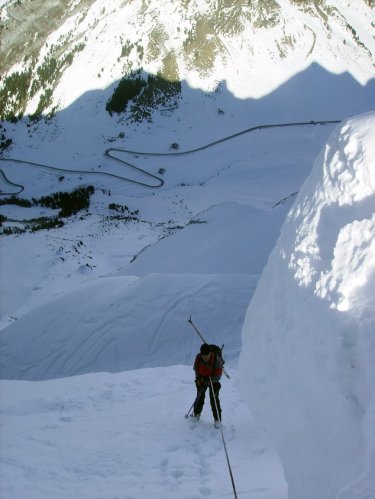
308 359
121 323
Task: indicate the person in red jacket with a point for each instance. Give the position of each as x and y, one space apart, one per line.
208 365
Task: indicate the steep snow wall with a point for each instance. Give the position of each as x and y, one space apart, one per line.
307 365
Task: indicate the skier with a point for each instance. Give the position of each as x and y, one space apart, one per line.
208 367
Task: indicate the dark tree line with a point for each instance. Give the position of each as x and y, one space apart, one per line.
69 203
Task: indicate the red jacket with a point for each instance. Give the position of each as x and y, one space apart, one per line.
213 368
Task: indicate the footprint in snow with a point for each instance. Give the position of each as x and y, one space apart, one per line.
173 448
164 464
177 473
65 419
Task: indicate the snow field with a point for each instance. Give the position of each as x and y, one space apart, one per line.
226 180
125 436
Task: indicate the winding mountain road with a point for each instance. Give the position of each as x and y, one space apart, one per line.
159 181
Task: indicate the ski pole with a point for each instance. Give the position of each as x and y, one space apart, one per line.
190 321
188 413
199 394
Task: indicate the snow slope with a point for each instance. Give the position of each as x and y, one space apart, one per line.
124 436
120 323
240 178
210 245
76 299
87 308
308 337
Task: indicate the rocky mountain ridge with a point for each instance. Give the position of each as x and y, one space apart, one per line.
51 55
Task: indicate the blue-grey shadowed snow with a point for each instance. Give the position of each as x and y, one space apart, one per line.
122 323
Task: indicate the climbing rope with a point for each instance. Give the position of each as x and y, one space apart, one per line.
224 444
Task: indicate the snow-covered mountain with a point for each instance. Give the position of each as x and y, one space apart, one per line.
217 111
254 47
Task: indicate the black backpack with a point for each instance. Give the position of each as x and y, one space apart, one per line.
217 351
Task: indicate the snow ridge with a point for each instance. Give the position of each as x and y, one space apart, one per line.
308 346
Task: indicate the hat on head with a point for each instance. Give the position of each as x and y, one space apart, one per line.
205 349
